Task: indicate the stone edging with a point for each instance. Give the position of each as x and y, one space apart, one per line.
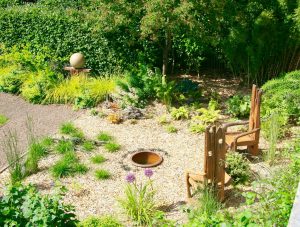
295 214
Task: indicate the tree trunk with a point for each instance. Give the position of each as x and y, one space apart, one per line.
166 50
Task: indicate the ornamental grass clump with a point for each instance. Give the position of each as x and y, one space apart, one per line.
98 159
35 152
274 125
139 202
13 156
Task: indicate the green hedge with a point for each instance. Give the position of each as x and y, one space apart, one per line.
257 40
62 31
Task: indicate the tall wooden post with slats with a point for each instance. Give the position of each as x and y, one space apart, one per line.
214 163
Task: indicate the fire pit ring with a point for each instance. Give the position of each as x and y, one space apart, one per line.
146 159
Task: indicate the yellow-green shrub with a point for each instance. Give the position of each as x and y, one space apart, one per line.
11 79
81 90
37 84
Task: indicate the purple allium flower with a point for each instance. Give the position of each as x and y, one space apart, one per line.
148 172
130 178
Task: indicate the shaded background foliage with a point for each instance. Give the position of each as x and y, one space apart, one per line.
256 40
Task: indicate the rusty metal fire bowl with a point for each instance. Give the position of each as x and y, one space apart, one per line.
146 159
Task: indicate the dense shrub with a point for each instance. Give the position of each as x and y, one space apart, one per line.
239 106
187 91
27 74
25 206
283 95
237 166
204 117
139 86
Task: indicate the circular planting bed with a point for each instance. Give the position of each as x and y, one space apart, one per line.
146 159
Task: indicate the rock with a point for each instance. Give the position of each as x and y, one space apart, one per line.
132 112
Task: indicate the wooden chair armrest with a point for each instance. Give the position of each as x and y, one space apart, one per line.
245 134
227 125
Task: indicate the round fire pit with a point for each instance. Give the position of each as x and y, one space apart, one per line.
146 159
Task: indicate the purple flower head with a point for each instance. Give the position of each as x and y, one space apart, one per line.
148 172
130 178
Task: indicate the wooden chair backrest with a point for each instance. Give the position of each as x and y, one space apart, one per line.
254 118
214 155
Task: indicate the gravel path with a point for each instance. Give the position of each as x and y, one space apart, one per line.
46 118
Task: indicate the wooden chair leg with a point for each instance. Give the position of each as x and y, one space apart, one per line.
188 185
253 149
233 147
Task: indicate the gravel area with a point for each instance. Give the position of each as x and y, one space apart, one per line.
182 150
46 118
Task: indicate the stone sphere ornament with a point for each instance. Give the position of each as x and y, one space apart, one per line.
77 60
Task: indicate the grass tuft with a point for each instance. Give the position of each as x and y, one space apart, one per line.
97 159
47 142
112 147
88 146
104 137
208 201
68 166
68 128
171 129
64 146
274 126
3 119
102 174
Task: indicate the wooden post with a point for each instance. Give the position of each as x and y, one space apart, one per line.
73 71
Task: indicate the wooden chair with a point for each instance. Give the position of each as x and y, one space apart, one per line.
251 137
214 165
